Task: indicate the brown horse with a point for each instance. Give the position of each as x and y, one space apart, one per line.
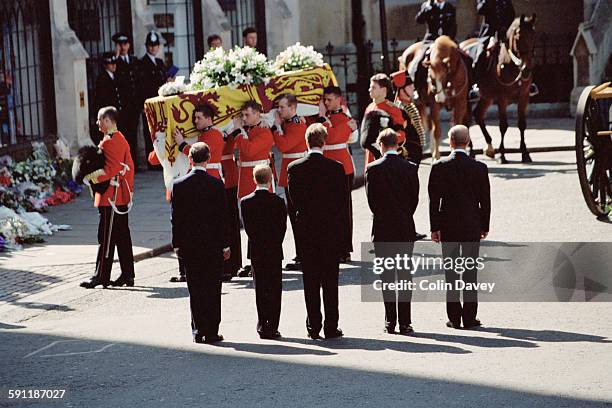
447 85
508 81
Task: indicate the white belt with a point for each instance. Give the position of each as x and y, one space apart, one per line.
295 155
335 146
252 163
214 166
227 157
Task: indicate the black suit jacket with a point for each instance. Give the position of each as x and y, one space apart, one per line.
152 76
318 190
265 221
107 91
392 187
439 21
127 76
498 16
459 198
200 221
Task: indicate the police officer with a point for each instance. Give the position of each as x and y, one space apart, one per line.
127 72
498 15
107 85
152 76
440 17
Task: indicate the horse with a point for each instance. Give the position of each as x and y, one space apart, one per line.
508 81
447 85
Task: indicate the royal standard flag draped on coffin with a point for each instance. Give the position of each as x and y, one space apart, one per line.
164 114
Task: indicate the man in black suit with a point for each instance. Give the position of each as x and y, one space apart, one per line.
152 76
318 189
459 212
127 75
265 221
392 187
440 18
200 237
107 84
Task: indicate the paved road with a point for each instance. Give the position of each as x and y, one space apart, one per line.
131 347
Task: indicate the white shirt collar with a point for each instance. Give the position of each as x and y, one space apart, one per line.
460 150
440 5
110 74
198 168
152 57
393 152
315 150
262 188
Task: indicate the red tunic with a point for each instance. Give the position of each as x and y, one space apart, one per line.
116 153
291 143
214 139
251 150
338 134
396 117
230 169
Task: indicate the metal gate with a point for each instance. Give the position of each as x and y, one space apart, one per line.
27 108
95 22
246 13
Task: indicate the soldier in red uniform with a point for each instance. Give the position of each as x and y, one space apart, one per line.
289 132
230 174
254 144
113 205
339 126
380 86
203 116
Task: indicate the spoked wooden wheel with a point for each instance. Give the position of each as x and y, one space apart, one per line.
593 155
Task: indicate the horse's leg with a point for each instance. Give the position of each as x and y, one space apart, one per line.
502 106
479 116
523 103
434 117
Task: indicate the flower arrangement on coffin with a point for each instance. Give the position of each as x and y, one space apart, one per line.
297 57
171 88
235 67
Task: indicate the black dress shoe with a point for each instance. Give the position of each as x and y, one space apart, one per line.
123 282
472 324
407 329
295 266
420 236
345 259
227 277
198 340
180 278
390 329
213 339
314 336
334 334
92 284
244 272
453 325
269 336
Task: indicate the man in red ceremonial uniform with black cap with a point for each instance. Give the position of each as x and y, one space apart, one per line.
290 138
114 204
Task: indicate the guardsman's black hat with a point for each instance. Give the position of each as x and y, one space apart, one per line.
152 38
108 58
120 38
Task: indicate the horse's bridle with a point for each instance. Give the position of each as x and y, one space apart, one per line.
448 88
517 62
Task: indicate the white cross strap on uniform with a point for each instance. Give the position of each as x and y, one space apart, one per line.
295 155
335 146
216 166
253 163
227 157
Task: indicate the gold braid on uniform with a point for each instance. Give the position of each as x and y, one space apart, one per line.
415 118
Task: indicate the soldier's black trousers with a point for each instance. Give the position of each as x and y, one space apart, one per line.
119 237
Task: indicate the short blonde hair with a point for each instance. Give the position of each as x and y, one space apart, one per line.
262 173
316 135
387 138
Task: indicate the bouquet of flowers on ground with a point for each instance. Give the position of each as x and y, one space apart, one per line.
238 66
298 57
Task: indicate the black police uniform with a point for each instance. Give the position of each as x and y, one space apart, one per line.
439 20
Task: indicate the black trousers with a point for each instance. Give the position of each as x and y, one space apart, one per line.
119 237
232 265
128 125
268 279
291 211
349 232
320 272
204 285
397 303
454 309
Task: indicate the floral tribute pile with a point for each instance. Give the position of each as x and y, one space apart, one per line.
27 188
